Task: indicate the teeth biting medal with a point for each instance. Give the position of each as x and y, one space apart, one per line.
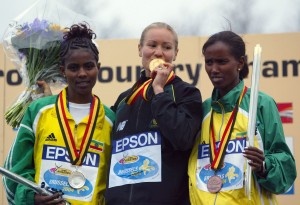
155 63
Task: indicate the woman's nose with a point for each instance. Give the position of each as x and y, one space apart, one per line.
214 67
81 72
158 52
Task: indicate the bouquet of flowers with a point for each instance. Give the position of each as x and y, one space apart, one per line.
32 42
37 46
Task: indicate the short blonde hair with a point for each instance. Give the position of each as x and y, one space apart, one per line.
159 25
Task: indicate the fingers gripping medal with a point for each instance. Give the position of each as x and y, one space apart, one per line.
155 63
214 184
76 180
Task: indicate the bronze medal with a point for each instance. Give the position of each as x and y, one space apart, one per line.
214 184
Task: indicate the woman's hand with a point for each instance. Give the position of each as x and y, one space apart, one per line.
45 87
160 75
46 200
256 160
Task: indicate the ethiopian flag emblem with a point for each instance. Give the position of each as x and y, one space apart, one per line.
96 145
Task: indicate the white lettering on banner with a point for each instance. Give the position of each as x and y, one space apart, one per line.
204 151
91 159
141 140
61 154
58 182
234 146
129 170
56 153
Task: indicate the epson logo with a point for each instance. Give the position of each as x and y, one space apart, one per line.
61 154
136 141
233 147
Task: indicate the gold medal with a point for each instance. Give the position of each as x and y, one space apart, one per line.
214 184
155 63
76 180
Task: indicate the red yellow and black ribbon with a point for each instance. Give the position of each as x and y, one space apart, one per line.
217 154
76 157
143 89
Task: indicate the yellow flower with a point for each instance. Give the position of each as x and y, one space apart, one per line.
56 27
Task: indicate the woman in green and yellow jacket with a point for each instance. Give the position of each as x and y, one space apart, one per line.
217 164
64 140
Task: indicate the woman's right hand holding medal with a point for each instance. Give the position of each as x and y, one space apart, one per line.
160 72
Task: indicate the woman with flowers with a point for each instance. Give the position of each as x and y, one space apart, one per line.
34 47
64 140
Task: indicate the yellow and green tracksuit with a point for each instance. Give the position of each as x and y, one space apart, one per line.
39 154
280 164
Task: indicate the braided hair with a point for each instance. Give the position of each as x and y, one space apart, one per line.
78 36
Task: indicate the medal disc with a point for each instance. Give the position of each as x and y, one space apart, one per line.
154 63
76 180
214 184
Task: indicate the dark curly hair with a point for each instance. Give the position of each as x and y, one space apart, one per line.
78 36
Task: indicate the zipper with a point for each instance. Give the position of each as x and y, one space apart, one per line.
130 193
138 114
136 127
223 116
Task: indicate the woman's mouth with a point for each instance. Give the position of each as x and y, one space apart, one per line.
216 79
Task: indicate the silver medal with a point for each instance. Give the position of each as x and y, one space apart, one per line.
76 180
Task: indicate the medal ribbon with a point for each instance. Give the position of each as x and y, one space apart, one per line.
217 154
137 91
142 90
76 158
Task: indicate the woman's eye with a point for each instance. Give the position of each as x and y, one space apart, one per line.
222 61
73 67
168 47
208 62
89 66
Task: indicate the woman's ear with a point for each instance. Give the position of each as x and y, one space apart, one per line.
140 50
241 63
62 70
174 58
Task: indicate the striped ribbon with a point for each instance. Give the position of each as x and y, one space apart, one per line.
217 154
143 89
76 157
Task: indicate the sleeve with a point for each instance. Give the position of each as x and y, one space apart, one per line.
280 163
20 161
179 116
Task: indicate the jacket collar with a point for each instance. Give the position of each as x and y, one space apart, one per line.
227 102
143 76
